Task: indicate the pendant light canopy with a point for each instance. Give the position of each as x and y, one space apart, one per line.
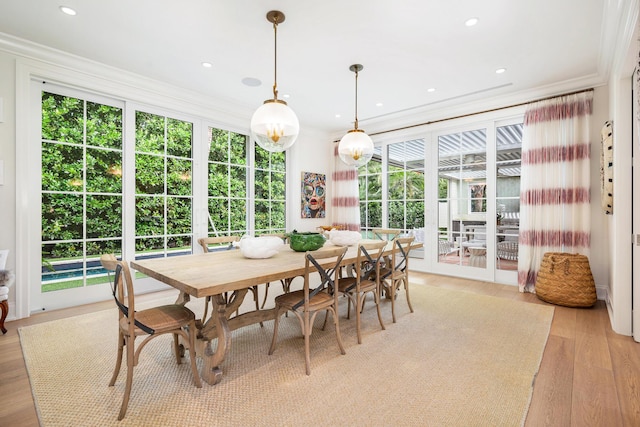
356 147
274 126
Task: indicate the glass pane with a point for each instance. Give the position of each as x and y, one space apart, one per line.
149 133
219 214
238 215
62 118
149 247
278 161
415 214
218 180
62 216
104 171
238 148
238 181
95 248
95 273
396 185
374 214
262 185
62 167
149 216
179 137
262 158
219 149
178 177
104 126
62 266
262 220
104 216
178 215
396 215
179 245
374 187
278 216
415 184
362 186
278 186
149 174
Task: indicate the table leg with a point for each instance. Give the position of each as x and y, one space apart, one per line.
211 371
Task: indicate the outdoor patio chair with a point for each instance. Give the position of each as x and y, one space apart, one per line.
507 250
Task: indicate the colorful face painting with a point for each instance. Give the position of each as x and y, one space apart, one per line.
313 195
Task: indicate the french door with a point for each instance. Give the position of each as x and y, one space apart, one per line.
114 178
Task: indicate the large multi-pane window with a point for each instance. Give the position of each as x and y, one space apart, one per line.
163 192
370 189
227 183
270 192
405 185
81 189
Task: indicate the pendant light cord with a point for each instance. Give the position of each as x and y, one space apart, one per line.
356 122
275 59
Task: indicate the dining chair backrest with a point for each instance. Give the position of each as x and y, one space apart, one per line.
368 261
210 244
386 233
328 275
122 289
400 253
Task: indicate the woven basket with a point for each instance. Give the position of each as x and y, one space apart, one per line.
566 279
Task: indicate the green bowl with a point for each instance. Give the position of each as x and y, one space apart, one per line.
302 242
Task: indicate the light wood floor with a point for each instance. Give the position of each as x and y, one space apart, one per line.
589 376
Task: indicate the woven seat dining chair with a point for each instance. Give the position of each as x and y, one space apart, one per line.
307 302
152 322
366 280
222 243
397 273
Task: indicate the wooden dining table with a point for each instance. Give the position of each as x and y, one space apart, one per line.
226 277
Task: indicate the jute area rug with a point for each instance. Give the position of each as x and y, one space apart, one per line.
460 359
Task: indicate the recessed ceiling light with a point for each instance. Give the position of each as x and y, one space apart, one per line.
379 104
250 81
207 64
67 10
471 22
338 116
500 70
431 89
286 95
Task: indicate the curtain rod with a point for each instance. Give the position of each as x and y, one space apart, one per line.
476 113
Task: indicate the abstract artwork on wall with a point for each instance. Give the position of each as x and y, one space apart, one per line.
313 195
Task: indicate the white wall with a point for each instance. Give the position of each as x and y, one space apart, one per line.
7 155
312 152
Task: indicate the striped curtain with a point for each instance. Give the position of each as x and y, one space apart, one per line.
555 181
345 199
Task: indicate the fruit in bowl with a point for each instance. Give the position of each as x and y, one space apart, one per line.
302 242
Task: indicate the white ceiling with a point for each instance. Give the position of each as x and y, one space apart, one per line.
406 47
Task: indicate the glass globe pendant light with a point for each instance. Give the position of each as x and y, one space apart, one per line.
356 147
274 126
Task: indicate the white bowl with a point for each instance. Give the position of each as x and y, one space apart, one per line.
344 237
260 247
